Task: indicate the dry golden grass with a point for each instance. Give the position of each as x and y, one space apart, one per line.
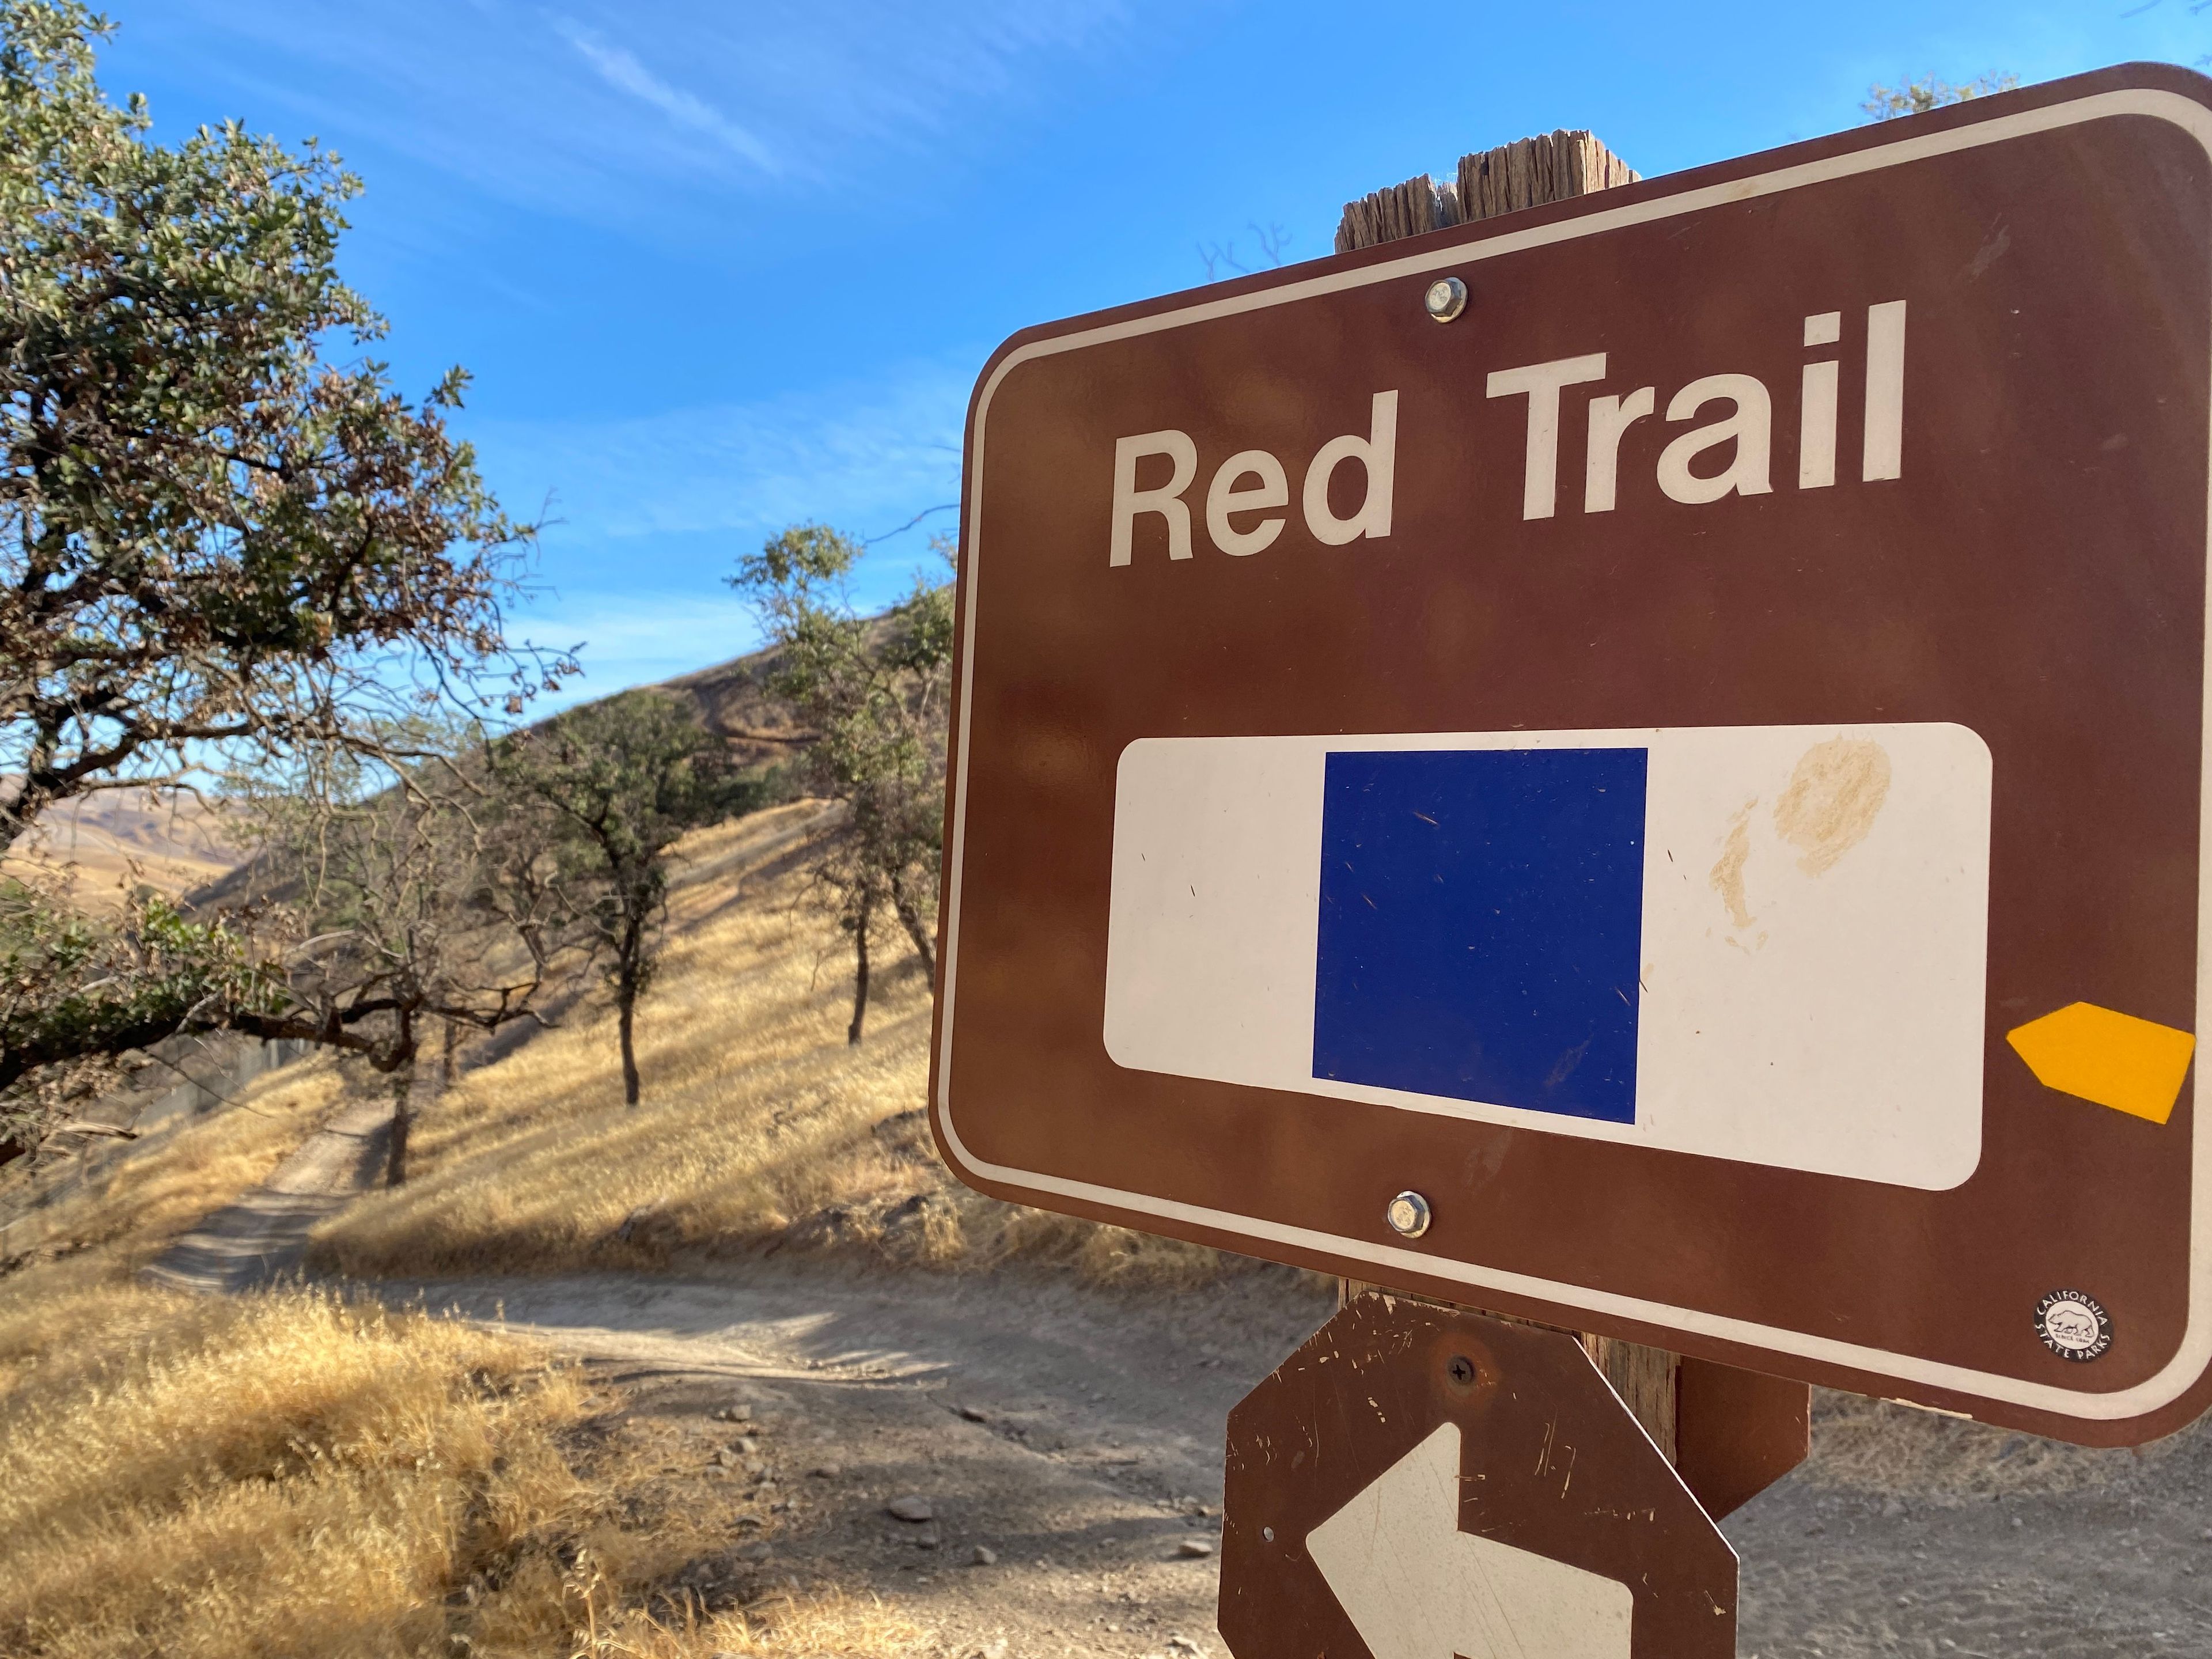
103 846
823 1623
291 1473
294 1473
1861 1445
279 1474
761 1129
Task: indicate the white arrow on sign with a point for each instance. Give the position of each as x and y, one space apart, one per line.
1416 1587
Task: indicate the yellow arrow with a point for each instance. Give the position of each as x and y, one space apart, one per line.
2132 1065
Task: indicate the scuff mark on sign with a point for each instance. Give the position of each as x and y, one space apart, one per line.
1834 798
1829 807
1726 878
1544 1451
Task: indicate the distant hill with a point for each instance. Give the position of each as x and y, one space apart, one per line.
105 843
734 700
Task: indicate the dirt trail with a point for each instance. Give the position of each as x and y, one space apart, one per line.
1077 1437
264 1234
1074 1438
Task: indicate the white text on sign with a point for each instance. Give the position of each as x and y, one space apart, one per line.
1254 481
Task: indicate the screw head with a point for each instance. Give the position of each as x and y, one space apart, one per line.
1459 1368
1409 1215
1445 299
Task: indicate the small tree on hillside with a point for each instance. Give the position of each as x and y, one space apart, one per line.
874 690
618 783
390 897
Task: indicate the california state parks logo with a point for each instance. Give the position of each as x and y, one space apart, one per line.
2073 1325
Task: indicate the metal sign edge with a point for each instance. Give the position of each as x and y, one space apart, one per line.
1948 132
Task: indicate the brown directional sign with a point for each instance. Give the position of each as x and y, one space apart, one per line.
1667 729
1420 1483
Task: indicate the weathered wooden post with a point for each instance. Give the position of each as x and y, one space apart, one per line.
1741 1429
1552 167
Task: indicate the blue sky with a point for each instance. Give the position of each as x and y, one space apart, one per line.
720 267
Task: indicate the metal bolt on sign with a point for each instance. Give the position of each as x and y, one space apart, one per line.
1445 299
1409 1215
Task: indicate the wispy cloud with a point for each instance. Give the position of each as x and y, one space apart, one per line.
636 639
865 456
651 513
610 111
620 69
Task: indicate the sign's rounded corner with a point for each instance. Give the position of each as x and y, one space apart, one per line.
2150 83
1978 744
950 1147
2153 76
1948 1182
1008 354
1107 1042
2182 1407
1122 759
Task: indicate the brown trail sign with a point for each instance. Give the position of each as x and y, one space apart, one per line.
1639 763
1419 1482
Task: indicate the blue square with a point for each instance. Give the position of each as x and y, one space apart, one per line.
1481 918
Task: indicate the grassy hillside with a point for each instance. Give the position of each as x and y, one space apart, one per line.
294 1473
761 1130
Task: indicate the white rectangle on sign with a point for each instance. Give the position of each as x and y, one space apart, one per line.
1765 944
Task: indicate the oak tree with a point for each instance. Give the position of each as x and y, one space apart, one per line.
1918 97
614 785
211 534
225 537
874 692
386 894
